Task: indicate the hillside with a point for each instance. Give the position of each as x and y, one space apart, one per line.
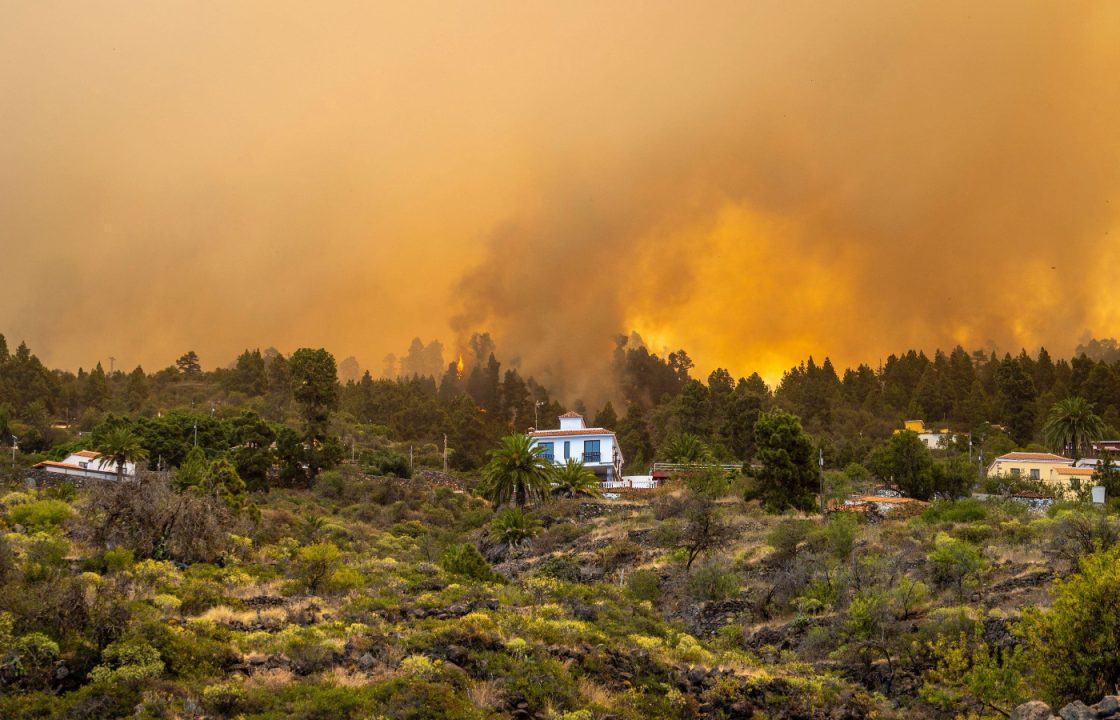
378 597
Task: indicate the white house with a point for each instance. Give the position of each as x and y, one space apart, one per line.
87 464
596 447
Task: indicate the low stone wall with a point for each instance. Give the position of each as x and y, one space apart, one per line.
1107 709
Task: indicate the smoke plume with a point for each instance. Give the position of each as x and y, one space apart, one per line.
754 182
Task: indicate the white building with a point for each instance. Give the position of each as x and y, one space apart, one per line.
597 448
87 464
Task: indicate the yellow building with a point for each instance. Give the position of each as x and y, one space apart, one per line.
1054 470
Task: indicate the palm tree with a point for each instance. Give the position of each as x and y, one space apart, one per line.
573 479
517 472
687 448
119 446
1073 425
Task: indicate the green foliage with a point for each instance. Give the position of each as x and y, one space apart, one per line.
316 563
956 511
840 534
192 472
686 448
517 472
222 482
119 445
512 526
131 660
788 477
465 559
906 461
713 582
971 674
1072 426
573 479
1072 644
954 562
644 585
44 514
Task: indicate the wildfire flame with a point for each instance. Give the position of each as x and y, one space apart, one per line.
459 366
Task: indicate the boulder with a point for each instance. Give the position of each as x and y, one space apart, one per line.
1077 710
1033 710
1108 707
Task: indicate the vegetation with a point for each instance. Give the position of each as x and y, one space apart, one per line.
272 562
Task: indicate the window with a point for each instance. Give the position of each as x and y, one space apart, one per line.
1075 483
1016 472
591 451
1036 474
567 449
546 450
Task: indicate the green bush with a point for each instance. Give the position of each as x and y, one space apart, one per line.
713 583
953 562
466 560
44 514
966 510
644 585
118 559
316 563
1072 644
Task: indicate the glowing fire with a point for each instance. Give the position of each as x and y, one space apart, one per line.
459 367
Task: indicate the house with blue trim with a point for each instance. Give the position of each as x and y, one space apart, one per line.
597 448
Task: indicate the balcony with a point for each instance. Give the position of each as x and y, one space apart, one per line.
592 457
549 457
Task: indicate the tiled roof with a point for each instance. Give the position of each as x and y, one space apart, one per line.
571 414
578 431
1074 471
52 463
880 499
1036 457
88 453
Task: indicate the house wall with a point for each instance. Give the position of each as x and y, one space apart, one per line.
606 447
1048 472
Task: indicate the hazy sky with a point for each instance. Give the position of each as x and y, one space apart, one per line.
754 181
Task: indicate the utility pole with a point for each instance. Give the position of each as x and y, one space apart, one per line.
15 447
820 466
445 452
536 414
409 459
196 433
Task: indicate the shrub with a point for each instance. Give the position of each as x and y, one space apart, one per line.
118 559
40 514
644 585
1072 644
966 510
466 560
315 563
713 583
954 561
840 534
513 526
561 567
787 536
127 661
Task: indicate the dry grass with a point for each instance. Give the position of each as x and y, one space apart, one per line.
485 694
274 678
592 693
342 677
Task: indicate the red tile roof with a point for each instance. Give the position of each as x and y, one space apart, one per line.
577 431
1033 456
88 453
1074 471
571 414
52 463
